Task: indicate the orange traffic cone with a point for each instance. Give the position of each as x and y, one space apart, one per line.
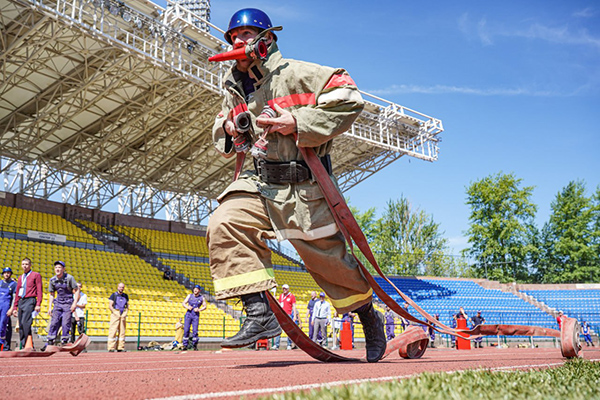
29 343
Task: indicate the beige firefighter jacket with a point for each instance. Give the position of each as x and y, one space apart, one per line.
325 102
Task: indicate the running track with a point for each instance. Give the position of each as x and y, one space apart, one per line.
205 375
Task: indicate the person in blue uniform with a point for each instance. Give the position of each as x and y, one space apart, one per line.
431 332
390 323
194 303
478 320
64 295
309 311
349 317
585 331
8 286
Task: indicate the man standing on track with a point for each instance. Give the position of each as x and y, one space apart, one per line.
78 319
7 295
309 311
288 303
118 302
348 317
390 323
279 198
194 303
64 295
478 320
28 301
321 319
585 331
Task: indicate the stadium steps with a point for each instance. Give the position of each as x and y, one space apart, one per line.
510 288
101 236
279 251
539 304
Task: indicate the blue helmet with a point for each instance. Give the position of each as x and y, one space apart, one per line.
7 269
248 17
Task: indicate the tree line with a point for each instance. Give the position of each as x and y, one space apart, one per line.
504 242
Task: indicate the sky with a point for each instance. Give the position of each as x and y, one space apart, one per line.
516 85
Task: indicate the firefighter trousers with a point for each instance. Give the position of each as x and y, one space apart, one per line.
240 260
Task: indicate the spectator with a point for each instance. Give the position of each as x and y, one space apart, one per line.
309 311
167 274
461 314
118 303
62 302
453 326
403 321
585 330
8 286
478 320
335 335
321 319
28 301
177 342
431 332
78 318
349 317
559 319
280 198
194 303
276 339
288 303
390 323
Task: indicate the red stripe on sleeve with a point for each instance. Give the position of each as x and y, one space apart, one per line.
298 99
339 80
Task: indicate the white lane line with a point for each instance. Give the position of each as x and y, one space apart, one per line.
110 371
281 389
103 364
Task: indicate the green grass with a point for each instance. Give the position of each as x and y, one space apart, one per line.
577 379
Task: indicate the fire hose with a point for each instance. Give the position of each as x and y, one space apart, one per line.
73 348
410 344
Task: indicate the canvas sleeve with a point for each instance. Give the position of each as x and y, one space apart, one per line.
337 104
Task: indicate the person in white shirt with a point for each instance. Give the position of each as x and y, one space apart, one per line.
78 317
321 318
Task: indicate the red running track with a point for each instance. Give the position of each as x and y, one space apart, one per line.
205 375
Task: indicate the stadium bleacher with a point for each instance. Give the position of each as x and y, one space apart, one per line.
583 304
445 297
19 221
156 302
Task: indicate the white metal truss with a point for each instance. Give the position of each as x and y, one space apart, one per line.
187 9
105 102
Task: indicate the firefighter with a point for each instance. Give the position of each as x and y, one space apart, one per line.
279 199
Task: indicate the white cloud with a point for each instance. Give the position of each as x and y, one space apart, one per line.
585 13
447 89
485 32
562 35
463 23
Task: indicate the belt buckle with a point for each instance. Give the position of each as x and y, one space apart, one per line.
293 172
259 168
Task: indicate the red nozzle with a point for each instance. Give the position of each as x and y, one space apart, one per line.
257 50
237 54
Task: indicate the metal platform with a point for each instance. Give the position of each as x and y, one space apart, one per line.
103 101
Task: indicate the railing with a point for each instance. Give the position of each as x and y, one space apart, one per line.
140 33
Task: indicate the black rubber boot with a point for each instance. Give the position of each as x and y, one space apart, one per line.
260 322
372 322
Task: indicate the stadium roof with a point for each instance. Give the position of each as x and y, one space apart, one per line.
119 98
